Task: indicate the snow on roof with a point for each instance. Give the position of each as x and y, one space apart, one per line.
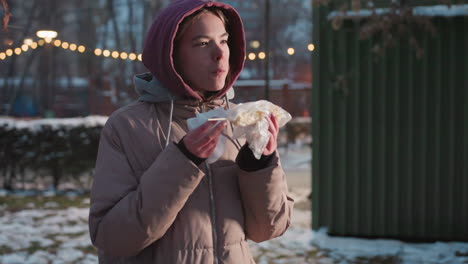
35 125
436 10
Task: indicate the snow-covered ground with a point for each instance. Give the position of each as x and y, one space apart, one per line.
53 235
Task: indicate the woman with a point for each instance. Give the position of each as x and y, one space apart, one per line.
154 198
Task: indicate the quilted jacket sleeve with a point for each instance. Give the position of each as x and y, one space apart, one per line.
127 215
266 202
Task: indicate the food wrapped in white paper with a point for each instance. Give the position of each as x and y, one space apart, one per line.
249 120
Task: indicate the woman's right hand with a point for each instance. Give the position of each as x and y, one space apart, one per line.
202 141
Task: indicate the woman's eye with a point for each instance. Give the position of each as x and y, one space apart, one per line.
224 41
203 43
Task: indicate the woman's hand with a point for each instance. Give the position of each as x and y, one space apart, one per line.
273 131
201 142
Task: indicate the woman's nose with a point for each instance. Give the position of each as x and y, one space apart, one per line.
218 53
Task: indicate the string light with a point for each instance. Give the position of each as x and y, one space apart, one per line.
29 43
115 54
261 55
106 53
2 56
65 45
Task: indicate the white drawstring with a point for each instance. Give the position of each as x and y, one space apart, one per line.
170 122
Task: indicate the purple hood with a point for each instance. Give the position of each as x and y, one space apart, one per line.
159 45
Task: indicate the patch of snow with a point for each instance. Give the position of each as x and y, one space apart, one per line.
90 259
51 205
81 241
69 255
39 257
296 156
15 258
35 125
350 249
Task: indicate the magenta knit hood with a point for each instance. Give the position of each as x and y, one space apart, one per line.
159 45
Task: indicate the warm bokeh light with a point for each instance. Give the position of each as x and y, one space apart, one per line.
57 43
132 56
34 45
9 52
48 40
261 55
2 56
25 47
46 34
17 51
81 49
65 45
106 53
139 57
291 51
115 54
72 47
255 44
40 42
123 55
311 47
98 52
28 41
252 56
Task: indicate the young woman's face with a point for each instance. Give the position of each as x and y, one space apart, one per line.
202 55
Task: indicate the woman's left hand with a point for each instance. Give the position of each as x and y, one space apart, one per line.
273 131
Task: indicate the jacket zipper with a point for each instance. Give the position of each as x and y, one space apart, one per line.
212 206
213 214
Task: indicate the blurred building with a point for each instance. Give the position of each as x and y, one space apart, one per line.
294 97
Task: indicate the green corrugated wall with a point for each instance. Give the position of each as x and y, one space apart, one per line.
390 134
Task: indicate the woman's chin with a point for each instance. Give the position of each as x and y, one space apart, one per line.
214 88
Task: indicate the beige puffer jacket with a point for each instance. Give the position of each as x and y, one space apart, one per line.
151 204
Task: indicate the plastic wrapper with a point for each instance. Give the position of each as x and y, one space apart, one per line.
249 120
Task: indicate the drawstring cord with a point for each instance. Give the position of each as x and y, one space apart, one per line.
238 145
170 122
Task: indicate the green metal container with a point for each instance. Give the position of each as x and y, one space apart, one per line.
390 133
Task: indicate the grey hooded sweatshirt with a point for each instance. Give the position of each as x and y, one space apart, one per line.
150 203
